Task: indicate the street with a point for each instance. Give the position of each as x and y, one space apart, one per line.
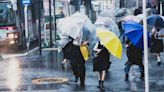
17 75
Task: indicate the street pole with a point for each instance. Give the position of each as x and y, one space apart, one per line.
50 22
137 3
26 28
39 30
54 19
145 47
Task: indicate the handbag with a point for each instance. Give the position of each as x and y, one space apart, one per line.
85 52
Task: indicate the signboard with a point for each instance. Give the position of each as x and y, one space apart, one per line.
27 2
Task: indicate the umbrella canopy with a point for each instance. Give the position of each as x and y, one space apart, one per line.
140 16
134 32
132 18
69 27
121 12
78 17
107 23
155 20
110 41
106 13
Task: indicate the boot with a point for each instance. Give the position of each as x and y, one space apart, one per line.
76 78
142 75
102 84
159 63
82 83
126 77
99 84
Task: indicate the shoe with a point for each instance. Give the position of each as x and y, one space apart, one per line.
99 84
142 76
159 63
62 66
76 79
82 84
126 77
102 84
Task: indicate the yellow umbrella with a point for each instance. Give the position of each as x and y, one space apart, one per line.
110 41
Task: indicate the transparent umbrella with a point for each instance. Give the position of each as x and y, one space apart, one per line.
108 23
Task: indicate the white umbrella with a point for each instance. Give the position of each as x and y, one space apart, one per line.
132 18
69 27
72 25
78 17
106 13
140 16
107 22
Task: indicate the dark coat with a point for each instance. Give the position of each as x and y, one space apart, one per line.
101 62
134 55
156 45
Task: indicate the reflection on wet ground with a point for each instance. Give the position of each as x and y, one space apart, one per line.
16 74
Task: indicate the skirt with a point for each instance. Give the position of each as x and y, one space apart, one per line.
156 46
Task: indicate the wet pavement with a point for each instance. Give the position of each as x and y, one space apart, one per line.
16 74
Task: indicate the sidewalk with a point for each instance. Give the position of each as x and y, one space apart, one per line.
18 73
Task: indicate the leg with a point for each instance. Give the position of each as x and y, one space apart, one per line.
141 67
126 70
75 70
103 78
99 77
158 59
82 74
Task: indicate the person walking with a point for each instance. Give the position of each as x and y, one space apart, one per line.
66 45
77 61
134 56
157 43
101 62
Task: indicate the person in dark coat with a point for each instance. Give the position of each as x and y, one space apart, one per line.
101 62
121 30
134 55
78 64
137 11
157 43
66 44
77 60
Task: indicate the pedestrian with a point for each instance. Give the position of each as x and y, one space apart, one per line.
134 55
62 14
121 31
101 62
137 11
66 45
157 43
77 60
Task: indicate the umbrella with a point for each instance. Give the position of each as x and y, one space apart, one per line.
132 18
106 13
69 27
134 32
108 23
121 12
140 16
155 20
81 18
110 41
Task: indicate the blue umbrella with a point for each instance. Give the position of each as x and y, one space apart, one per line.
134 32
155 20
